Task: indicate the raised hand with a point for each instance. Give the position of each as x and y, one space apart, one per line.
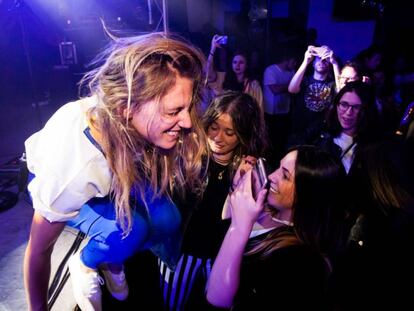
215 43
245 209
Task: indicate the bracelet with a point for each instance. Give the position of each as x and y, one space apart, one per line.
212 54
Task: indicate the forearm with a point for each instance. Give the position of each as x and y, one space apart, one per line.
294 85
225 276
210 71
337 73
43 236
36 277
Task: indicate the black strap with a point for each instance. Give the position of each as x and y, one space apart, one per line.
347 149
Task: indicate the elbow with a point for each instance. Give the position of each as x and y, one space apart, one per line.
293 90
218 302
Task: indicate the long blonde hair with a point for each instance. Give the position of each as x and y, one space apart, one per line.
136 70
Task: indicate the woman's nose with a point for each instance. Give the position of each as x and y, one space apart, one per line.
185 120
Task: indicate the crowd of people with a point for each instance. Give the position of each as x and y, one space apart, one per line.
161 155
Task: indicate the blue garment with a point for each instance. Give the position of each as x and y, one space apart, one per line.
158 230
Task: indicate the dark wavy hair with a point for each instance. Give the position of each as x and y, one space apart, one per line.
368 118
319 206
247 120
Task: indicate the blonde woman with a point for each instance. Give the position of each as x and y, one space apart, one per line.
107 164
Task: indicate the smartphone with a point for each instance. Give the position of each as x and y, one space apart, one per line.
223 40
261 172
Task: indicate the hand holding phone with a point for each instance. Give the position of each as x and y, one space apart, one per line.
222 40
260 175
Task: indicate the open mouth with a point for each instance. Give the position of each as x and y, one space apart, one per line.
273 189
173 133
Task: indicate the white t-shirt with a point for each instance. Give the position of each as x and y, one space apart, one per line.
276 103
69 169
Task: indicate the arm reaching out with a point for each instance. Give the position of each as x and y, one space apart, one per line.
330 56
43 236
294 85
211 73
224 280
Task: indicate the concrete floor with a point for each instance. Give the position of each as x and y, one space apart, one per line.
20 118
15 226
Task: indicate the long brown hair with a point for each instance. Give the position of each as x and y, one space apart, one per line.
136 70
248 123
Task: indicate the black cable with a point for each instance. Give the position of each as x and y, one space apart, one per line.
57 284
75 246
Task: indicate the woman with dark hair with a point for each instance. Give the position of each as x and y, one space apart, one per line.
292 232
235 128
350 124
238 78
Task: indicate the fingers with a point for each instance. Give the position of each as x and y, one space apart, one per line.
250 160
246 182
245 165
261 197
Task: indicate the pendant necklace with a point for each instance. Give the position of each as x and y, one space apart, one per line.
222 163
220 175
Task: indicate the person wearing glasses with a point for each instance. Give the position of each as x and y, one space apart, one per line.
350 123
350 72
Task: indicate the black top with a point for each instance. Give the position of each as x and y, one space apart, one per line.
291 278
311 102
206 230
374 271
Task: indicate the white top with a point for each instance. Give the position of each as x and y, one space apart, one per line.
69 169
344 141
276 103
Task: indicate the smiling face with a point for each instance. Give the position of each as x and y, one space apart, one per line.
222 138
161 122
282 184
348 110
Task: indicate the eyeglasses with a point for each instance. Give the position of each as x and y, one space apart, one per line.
344 107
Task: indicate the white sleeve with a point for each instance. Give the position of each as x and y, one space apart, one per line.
68 168
58 199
